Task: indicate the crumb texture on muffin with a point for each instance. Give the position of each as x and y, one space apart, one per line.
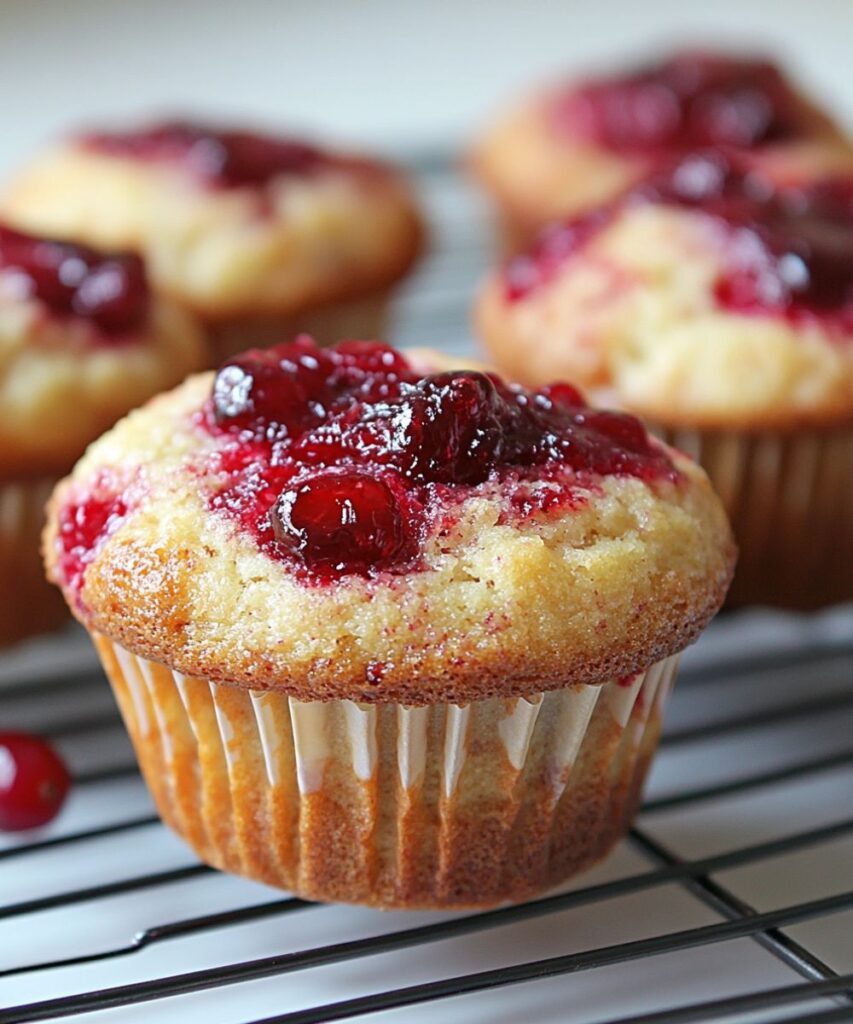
289 243
497 603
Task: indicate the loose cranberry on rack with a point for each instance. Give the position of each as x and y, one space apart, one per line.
34 782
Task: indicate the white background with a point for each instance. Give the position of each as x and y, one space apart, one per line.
396 73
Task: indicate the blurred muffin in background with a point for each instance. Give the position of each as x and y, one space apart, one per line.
579 144
82 341
258 235
720 309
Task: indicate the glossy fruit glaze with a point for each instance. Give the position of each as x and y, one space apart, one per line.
337 460
694 99
34 782
110 290
219 157
787 251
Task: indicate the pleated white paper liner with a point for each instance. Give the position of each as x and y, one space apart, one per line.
439 806
28 603
789 497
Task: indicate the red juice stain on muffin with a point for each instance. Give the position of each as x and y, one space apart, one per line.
219 157
110 290
337 460
556 244
85 521
694 99
788 250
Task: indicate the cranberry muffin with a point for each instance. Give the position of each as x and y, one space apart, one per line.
259 236
81 342
579 144
719 308
385 635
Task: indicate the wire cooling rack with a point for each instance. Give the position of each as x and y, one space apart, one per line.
730 900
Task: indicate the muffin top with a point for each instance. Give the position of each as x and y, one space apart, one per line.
706 296
233 223
340 523
579 144
82 340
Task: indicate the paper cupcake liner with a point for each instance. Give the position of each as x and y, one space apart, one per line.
364 317
439 806
28 603
790 501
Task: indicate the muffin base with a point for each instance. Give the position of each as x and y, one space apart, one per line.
789 497
386 805
364 317
28 603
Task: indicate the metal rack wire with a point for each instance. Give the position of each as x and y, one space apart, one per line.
760 726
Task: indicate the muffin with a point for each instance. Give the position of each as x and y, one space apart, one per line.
720 309
81 342
387 636
578 145
259 236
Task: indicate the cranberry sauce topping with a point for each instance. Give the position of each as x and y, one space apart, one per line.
335 460
694 99
789 250
108 289
796 260
222 158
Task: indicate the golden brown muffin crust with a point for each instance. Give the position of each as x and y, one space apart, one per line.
499 609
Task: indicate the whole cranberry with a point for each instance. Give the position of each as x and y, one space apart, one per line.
455 431
34 782
342 521
276 390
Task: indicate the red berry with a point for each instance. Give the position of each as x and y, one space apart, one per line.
456 429
276 390
332 457
563 395
342 521
33 782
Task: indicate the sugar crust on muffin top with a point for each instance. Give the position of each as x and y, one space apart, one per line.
232 223
483 540
705 296
82 341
